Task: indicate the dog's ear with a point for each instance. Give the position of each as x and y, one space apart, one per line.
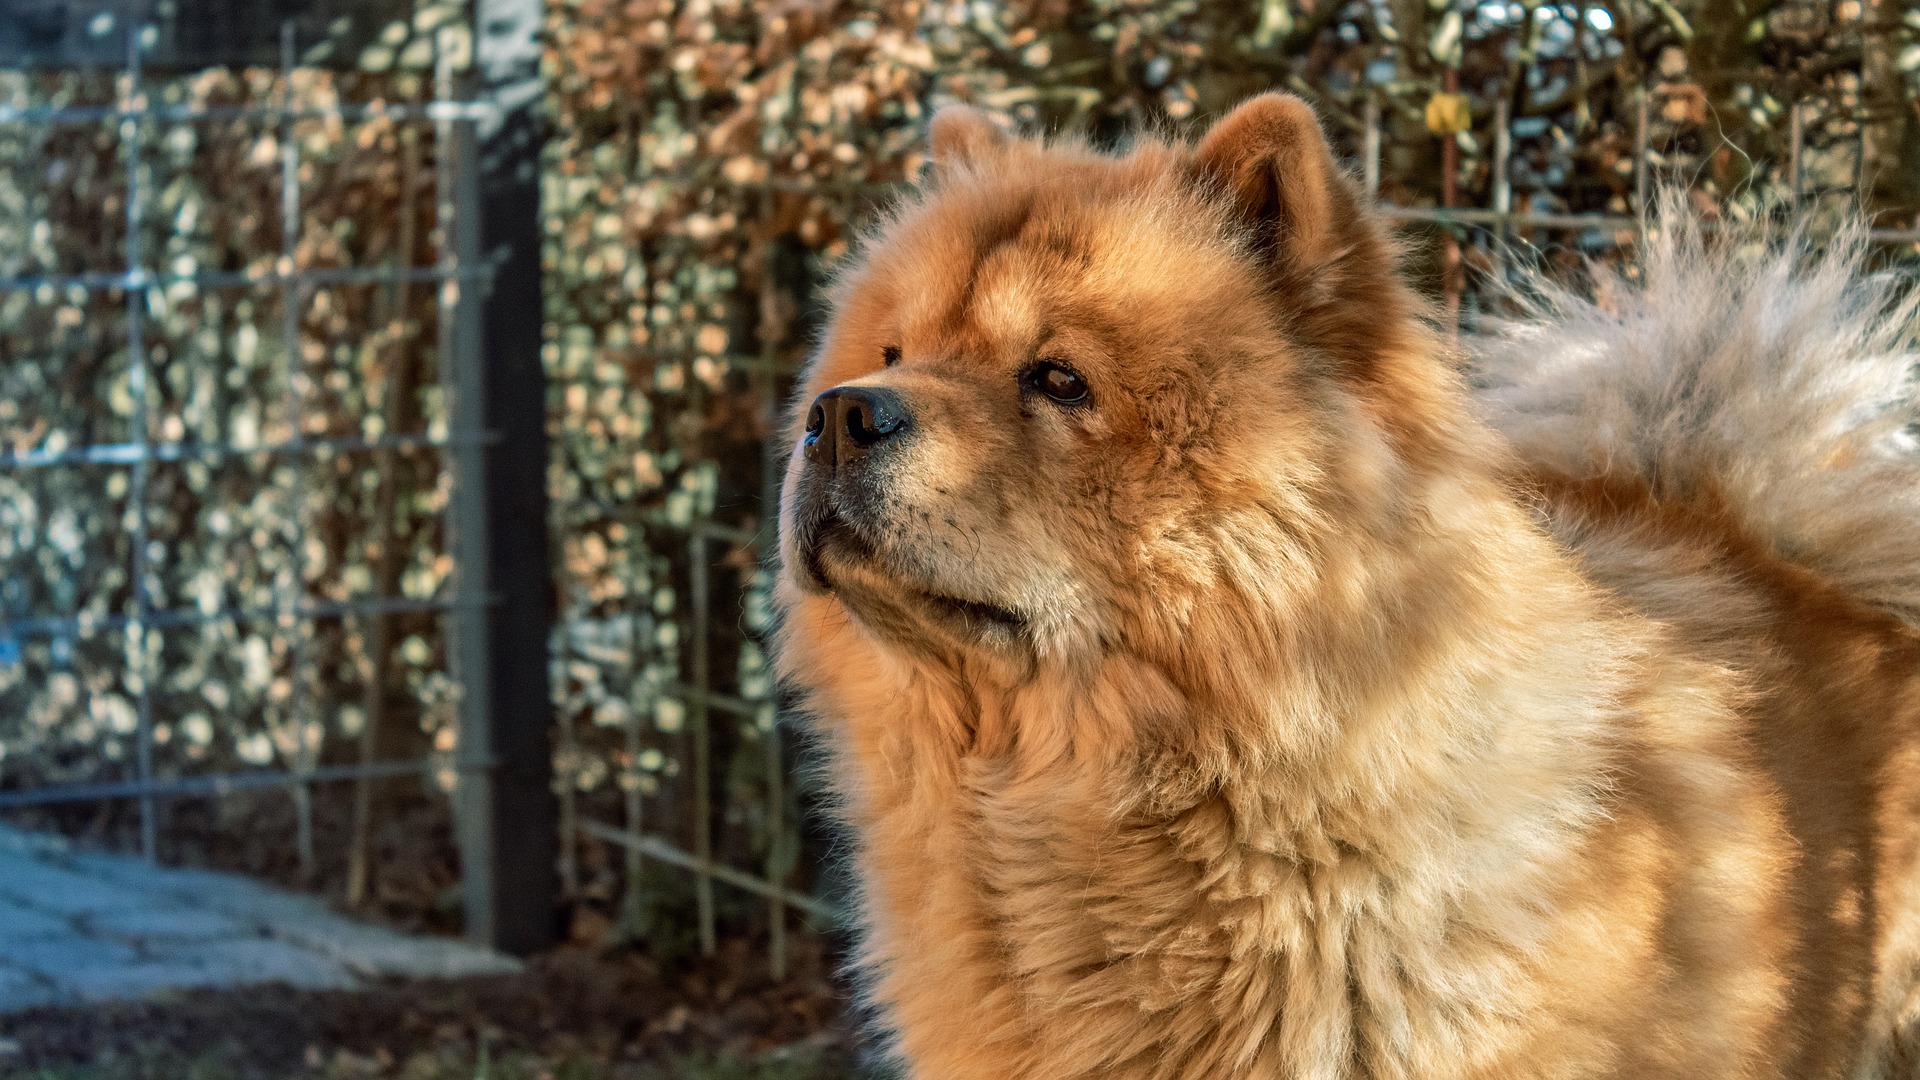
1269 156
964 136
1332 265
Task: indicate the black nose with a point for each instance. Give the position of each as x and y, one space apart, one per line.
847 422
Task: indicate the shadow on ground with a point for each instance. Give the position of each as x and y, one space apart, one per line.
569 1016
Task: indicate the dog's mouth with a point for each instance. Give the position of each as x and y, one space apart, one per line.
975 614
813 548
833 539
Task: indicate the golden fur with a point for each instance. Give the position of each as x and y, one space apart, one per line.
1267 714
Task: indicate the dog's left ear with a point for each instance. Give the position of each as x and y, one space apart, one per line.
1332 265
1269 156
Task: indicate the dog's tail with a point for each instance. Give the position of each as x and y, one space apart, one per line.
1746 367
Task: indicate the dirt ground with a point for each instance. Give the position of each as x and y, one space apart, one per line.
574 1015
596 1009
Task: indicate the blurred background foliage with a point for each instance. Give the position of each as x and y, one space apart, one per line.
709 162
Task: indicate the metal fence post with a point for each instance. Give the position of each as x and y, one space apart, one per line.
771 474
508 818
1370 149
1796 139
293 298
139 654
699 572
1642 118
1502 158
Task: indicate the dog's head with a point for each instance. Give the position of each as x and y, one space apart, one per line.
1065 396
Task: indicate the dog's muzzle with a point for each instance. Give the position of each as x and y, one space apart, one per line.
851 433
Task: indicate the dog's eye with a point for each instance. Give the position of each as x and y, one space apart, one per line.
1057 383
890 355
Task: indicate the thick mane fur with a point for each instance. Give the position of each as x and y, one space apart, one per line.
1747 368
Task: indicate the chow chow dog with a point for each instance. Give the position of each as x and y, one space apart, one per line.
1222 676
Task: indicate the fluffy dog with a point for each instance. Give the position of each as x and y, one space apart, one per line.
1216 685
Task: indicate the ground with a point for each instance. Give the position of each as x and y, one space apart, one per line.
86 937
572 1015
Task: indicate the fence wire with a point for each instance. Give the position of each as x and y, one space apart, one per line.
71 719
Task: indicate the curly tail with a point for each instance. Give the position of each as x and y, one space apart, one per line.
1746 366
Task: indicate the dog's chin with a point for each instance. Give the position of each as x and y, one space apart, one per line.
836 559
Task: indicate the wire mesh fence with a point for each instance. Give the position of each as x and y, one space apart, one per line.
233 373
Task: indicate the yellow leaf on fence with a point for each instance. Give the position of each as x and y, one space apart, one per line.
1448 114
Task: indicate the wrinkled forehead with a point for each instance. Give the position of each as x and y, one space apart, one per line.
1003 264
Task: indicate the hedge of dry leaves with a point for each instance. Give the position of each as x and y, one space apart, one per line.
710 160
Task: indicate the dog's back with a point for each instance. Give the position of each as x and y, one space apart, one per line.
1727 445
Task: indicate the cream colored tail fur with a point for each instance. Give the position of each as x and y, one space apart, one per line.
1748 368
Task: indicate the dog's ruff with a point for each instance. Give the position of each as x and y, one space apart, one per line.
1323 731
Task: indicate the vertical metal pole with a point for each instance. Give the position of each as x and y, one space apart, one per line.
463 399
702 621
137 379
1502 187
569 757
1370 149
1502 155
639 622
509 819
776 861
769 540
292 299
1450 152
1449 194
1877 155
1640 163
1862 188
639 637
1796 135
